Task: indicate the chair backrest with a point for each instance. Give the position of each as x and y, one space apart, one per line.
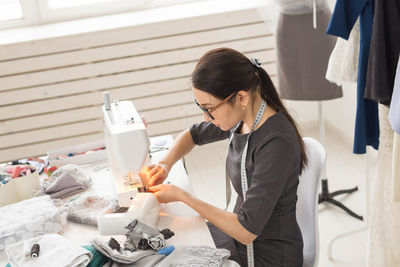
307 203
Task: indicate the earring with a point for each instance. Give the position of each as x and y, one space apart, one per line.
244 107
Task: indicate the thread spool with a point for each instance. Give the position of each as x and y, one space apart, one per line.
35 251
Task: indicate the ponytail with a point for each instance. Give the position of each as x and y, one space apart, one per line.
270 95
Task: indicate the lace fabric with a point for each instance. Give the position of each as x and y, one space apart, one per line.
396 168
340 70
384 227
88 207
195 256
30 218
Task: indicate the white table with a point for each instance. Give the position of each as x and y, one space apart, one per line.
189 227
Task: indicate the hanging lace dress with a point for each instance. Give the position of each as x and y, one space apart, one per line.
384 226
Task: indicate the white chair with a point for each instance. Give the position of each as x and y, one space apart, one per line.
307 203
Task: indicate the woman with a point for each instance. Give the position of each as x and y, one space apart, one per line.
239 101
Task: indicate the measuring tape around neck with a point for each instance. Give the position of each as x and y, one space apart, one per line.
243 175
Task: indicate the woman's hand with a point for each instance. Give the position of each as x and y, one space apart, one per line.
167 193
154 174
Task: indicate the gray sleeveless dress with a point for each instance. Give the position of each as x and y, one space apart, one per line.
302 57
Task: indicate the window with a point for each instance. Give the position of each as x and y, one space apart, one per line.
10 10
56 10
73 3
16 13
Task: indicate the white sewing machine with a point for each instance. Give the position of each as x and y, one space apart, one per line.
127 145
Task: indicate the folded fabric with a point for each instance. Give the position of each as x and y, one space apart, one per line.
122 255
141 235
148 261
55 250
229 263
166 251
98 259
88 207
195 256
30 218
73 170
65 185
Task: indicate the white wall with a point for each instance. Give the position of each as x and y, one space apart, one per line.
51 86
339 114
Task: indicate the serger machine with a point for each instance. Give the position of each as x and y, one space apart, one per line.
127 145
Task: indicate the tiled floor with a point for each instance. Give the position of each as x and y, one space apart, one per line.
206 170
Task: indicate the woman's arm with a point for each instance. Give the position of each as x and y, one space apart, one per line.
226 221
183 145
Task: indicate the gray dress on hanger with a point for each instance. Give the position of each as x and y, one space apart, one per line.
302 57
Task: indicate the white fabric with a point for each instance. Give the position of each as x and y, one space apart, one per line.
29 218
296 7
384 227
396 169
269 9
343 62
55 250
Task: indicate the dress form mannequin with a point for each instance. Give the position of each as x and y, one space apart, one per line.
302 59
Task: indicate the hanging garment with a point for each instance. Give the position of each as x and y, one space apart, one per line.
343 18
385 50
396 168
384 227
302 58
340 70
394 120
394 112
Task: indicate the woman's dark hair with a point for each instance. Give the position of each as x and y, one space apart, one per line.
223 71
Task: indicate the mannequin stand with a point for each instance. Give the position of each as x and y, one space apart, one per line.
325 196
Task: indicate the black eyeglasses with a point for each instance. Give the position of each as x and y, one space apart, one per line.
208 111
